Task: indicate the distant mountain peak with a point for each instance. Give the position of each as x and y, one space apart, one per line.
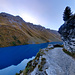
5 14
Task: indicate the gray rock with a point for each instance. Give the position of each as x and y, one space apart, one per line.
67 31
57 63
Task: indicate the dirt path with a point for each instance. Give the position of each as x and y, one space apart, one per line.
59 63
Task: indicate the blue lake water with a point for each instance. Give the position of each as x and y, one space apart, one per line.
14 58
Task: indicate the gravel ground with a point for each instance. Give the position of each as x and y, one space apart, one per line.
57 63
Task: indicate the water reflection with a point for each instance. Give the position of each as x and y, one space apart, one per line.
13 59
12 70
14 55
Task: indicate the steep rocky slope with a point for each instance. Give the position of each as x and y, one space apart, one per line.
51 61
67 32
15 31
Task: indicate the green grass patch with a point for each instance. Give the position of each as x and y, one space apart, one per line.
58 45
69 53
19 41
40 53
14 37
30 67
1 38
40 67
25 43
43 61
14 43
19 72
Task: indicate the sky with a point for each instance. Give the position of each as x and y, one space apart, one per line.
48 13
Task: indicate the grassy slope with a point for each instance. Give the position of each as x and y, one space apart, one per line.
14 31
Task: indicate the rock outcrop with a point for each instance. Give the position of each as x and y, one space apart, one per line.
51 61
67 32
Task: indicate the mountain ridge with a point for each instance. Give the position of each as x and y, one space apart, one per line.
15 31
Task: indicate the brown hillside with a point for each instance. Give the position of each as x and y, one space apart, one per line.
15 31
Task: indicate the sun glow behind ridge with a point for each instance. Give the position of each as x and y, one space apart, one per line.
29 18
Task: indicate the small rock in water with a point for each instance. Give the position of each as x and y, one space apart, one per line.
50 46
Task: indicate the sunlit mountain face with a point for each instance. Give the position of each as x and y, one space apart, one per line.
15 31
29 18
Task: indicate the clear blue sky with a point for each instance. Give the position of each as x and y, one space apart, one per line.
47 13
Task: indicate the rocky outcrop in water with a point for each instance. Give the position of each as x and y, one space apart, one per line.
67 31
